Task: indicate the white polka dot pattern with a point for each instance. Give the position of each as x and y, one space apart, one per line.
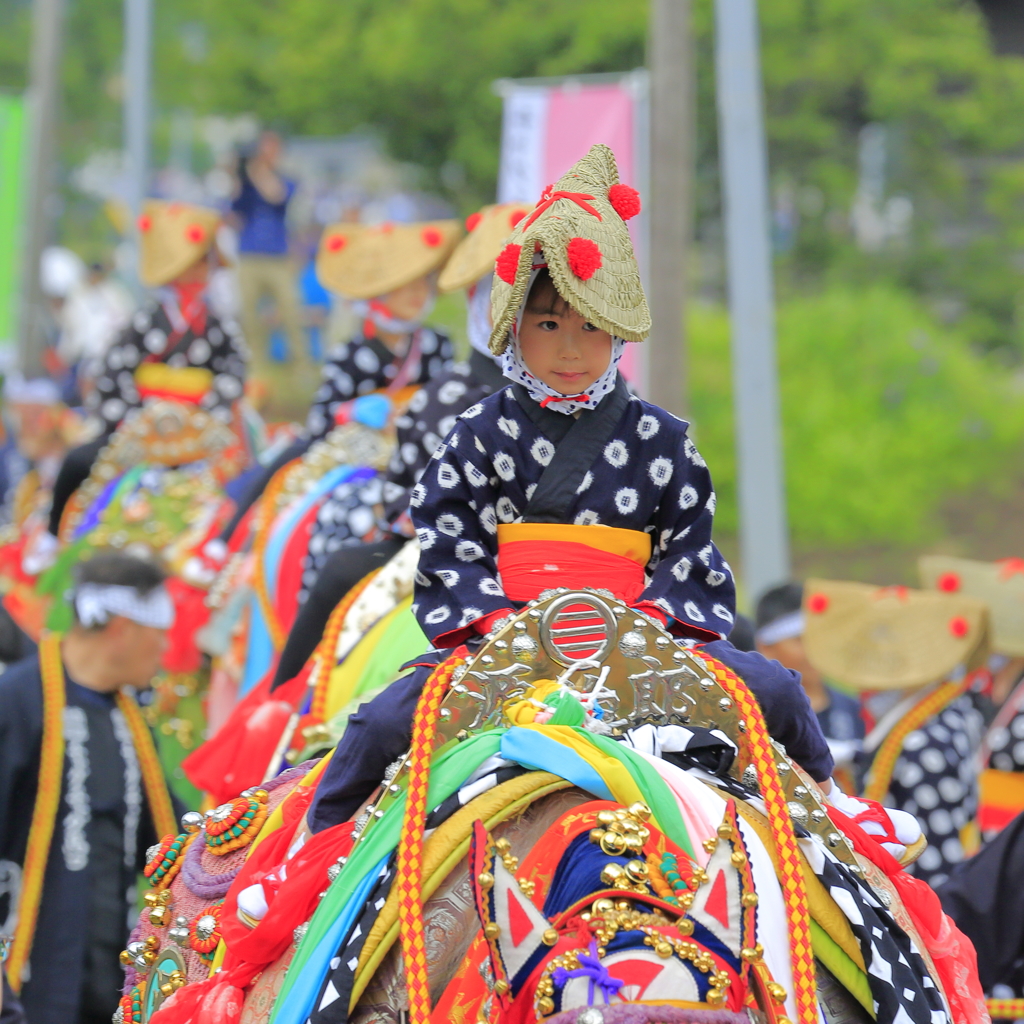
647 477
935 780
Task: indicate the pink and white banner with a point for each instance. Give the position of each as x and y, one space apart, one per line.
548 124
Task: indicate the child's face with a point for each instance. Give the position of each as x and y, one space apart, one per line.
561 348
408 302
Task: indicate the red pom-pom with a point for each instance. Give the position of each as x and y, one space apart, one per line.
431 237
144 223
584 257
473 219
515 217
387 227
959 627
195 233
335 243
949 582
625 200
817 603
507 263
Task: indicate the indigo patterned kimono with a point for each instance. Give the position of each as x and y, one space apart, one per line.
647 476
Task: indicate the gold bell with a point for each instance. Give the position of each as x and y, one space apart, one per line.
640 810
776 991
492 930
501 987
749 899
485 880
612 874
550 937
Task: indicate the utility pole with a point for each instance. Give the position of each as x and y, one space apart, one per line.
43 112
764 536
138 44
670 61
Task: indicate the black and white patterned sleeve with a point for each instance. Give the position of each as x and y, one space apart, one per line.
336 386
935 779
691 581
114 387
223 350
428 419
453 509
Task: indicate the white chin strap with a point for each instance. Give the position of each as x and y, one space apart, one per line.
97 603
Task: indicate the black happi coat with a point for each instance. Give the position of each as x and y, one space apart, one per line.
159 334
366 364
103 827
647 476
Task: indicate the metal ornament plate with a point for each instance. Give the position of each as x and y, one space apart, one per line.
648 679
567 631
169 960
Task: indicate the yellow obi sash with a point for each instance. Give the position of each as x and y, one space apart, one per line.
184 383
534 557
1000 798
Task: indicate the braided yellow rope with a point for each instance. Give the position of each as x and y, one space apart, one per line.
157 795
1005 1009
789 856
265 521
884 763
44 814
409 877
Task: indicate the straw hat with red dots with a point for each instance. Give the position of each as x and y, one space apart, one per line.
999 584
173 236
580 224
486 233
363 262
891 638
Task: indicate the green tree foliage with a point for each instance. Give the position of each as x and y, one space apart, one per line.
885 414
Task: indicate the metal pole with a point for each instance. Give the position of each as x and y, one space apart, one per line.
138 35
43 107
764 541
670 60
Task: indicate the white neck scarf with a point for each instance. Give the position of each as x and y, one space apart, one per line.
514 366
95 603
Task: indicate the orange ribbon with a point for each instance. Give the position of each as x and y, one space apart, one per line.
548 197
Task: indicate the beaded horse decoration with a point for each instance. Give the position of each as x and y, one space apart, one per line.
163 434
655 929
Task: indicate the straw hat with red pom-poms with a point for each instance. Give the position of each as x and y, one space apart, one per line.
891 638
363 262
486 231
173 237
999 584
580 225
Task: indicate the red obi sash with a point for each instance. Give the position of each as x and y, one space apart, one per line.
534 557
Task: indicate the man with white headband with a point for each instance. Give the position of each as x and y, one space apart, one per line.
779 636
82 794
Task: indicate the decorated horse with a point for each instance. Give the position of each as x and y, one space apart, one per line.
591 826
